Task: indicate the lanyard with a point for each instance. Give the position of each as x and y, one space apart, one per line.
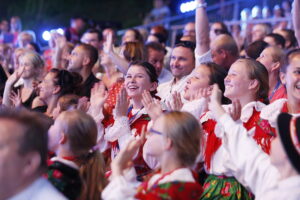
274 90
132 118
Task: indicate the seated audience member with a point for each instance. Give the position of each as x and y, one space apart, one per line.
255 48
156 53
161 35
82 60
174 140
73 138
65 103
182 64
73 33
289 36
26 37
269 177
30 71
246 82
23 141
259 31
15 28
189 30
274 39
132 35
129 118
159 12
92 37
217 28
55 84
273 59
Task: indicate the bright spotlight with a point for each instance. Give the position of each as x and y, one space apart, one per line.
46 35
60 31
188 6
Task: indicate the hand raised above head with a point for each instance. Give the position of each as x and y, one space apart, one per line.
108 44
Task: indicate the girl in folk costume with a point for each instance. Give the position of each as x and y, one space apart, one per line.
174 141
78 168
130 115
199 84
246 82
291 80
268 177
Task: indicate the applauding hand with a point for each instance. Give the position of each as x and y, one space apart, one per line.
122 104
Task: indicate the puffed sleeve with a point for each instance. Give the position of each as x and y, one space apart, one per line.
249 164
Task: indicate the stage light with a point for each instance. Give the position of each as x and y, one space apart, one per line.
60 31
46 35
187 6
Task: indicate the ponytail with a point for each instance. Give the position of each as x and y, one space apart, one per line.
92 176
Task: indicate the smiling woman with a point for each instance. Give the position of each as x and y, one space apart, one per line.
130 117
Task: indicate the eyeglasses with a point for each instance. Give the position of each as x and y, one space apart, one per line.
155 131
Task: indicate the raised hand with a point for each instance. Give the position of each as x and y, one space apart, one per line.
83 104
152 106
16 98
202 93
122 104
15 76
124 158
98 96
108 45
176 103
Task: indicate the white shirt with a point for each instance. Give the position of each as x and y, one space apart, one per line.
221 156
166 89
252 167
41 189
165 76
125 187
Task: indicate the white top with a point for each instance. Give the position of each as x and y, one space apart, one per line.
252 167
206 57
125 187
195 107
165 90
165 76
41 189
221 156
271 111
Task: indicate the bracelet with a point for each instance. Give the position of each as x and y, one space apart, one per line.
201 5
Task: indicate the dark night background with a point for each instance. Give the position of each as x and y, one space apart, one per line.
47 14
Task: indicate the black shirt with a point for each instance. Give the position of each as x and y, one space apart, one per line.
86 87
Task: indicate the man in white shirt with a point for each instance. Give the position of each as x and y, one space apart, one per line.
23 155
182 64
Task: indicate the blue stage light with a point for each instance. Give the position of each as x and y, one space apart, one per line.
187 6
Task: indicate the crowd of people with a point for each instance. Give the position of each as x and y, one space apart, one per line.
214 117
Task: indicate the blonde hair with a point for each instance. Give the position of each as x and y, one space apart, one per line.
34 58
184 130
81 131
